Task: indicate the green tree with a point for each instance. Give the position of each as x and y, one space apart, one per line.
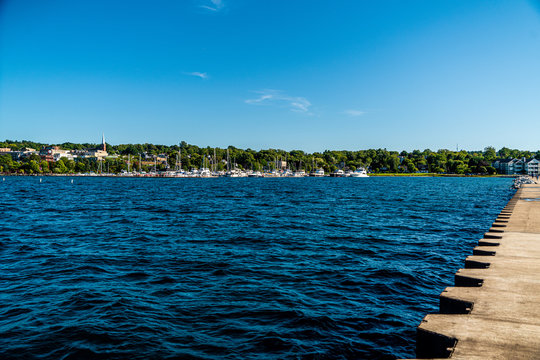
70 164
6 162
59 167
489 153
80 167
44 166
462 168
33 166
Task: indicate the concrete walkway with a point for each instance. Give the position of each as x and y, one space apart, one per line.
493 312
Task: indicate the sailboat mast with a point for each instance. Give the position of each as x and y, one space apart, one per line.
180 154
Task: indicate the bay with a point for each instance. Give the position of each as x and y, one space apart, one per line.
314 268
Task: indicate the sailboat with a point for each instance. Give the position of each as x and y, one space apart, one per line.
299 172
204 171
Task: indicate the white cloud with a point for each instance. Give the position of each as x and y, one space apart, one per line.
213 5
277 98
354 112
201 75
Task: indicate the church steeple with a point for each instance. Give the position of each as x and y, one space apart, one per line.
103 142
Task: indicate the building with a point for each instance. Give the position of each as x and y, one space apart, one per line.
508 166
54 153
17 155
531 167
502 165
517 166
100 153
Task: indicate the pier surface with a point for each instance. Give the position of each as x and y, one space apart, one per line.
493 312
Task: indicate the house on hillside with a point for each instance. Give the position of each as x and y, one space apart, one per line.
54 153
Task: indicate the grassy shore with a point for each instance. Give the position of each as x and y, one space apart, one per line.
437 175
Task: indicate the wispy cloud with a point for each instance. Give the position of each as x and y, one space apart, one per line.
278 98
213 5
354 113
201 75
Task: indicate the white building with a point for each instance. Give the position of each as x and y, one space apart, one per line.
531 167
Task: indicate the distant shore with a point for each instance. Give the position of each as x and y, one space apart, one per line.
263 176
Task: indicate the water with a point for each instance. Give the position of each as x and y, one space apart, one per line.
117 268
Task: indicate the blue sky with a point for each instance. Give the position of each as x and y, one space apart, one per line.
310 75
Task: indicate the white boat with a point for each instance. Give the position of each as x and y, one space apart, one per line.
288 173
178 174
317 173
338 173
360 172
273 173
232 173
205 172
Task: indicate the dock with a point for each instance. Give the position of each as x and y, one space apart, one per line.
493 311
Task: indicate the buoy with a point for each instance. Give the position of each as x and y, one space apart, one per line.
72 181
39 179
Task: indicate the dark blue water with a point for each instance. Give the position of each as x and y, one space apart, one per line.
119 268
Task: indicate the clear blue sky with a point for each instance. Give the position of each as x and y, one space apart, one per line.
310 75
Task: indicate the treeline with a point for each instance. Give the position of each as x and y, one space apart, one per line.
192 156
34 164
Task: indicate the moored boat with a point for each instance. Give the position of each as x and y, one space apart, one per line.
317 173
338 173
360 172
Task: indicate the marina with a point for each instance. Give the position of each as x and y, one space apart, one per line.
207 173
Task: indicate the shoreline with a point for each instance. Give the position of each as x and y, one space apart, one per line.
423 175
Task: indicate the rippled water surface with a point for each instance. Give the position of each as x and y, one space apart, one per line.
119 268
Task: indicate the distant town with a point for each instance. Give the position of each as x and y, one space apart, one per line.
185 160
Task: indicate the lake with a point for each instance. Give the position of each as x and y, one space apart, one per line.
246 268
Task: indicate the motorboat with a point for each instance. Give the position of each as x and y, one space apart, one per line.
255 174
205 172
360 172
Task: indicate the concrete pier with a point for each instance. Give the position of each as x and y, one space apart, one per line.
493 312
